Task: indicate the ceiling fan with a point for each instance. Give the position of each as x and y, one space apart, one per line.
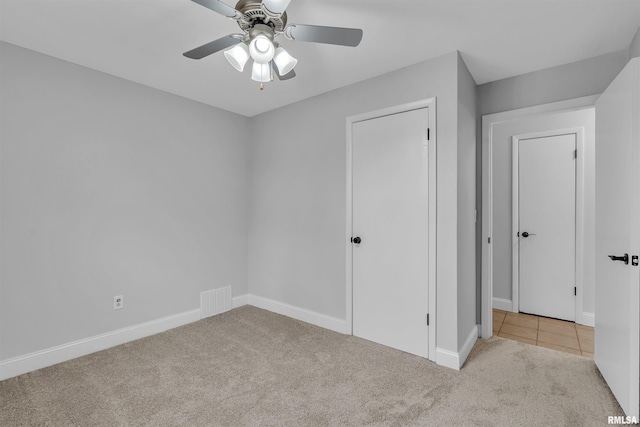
261 22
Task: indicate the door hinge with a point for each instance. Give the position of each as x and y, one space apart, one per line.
428 134
575 154
489 240
427 319
575 291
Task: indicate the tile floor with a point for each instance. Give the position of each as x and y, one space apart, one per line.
550 333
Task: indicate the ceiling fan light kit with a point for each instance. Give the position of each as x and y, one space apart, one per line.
261 22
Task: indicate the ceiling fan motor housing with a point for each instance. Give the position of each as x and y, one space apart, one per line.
255 15
261 29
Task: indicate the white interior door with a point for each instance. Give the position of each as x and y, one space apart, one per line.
546 225
617 327
390 197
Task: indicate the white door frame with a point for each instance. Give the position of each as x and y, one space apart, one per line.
515 226
488 121
426 103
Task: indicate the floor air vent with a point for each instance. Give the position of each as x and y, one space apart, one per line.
215 302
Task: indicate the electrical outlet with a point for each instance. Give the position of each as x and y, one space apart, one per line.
118 302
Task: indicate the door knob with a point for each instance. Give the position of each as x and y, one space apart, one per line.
356 240
624 258
527 234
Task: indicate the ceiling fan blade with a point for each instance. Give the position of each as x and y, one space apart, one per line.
329 35
277 7
212 47
291 74
218 6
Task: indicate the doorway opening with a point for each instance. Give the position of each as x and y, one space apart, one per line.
500 238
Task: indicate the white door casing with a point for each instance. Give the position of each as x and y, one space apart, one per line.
545 227
617 328
391 207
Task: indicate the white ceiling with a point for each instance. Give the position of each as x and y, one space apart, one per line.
143 41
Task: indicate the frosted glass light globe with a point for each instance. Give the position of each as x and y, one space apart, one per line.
261 72
237 56
284 61
261 49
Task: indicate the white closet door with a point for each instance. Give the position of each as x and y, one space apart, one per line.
391 217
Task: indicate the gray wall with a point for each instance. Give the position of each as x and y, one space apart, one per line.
109 187
588 77
634 47
298 191
467 113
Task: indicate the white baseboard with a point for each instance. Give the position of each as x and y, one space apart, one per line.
324 321
453 360
61 353
240 300
586 319
447 358
51 356
468 344
503 304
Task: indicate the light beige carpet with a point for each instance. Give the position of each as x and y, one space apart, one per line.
250 367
